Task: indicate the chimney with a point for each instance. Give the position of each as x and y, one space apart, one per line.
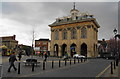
14 36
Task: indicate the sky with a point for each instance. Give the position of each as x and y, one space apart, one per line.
21 18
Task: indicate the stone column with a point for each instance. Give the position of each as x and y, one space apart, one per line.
78 49
68 50
60 50
52 50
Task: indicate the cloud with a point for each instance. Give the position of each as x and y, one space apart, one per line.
21 17
60 0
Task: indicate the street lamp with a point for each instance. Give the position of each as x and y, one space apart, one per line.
115 31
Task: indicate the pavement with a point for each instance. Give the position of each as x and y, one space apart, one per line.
90 68
116 72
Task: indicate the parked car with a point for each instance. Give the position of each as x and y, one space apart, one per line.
108 56
78 56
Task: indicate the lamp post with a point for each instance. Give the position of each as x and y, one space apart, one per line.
115 32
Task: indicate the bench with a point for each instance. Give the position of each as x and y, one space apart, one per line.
31 61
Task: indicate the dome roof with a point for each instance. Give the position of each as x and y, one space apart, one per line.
74 10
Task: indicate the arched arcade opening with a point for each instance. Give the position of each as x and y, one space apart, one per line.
83 49
73 49
56 50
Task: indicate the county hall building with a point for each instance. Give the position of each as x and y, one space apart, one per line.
77 33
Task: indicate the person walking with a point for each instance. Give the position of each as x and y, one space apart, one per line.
12 59
19 56
45 55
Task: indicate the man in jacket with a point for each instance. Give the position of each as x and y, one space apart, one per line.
12 59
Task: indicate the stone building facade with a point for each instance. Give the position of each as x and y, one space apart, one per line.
10 42
77 33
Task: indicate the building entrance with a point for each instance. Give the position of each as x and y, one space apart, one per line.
84 49
56 50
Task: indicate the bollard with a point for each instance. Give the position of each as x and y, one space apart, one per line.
52 64
84 59
19 68
78 60
74 60
70 61
114 65
43 65
65 62
33 67
81 59
116 62
111 68
59 63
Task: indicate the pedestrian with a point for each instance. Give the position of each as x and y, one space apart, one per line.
65 56
19 56
12 59
45 55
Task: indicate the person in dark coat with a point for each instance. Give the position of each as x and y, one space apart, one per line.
45 55
19 56
12 59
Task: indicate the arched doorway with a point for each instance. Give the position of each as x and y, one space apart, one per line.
73 49
64 49
84 49
56 50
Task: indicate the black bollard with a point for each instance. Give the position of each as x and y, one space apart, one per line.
65 62
33 67
19 68
81 59
111 68
116 62
70 61
114 65
43 65
59 63
52 64
78 60
84 59
74 60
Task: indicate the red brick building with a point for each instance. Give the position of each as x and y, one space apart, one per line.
42 45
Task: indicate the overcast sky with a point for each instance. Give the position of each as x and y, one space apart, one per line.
20 18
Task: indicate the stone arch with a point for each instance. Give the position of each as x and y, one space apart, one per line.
83 49
73 49
64 49
56 49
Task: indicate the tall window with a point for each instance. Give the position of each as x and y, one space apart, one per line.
64 34
83 32
73 34
56 35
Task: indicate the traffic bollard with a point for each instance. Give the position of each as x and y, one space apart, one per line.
65 62
114 65
81 59
111 68
116 62
74 60
43 65
19 68
70 61
52 64
59 63
78 60
84 59
33 67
